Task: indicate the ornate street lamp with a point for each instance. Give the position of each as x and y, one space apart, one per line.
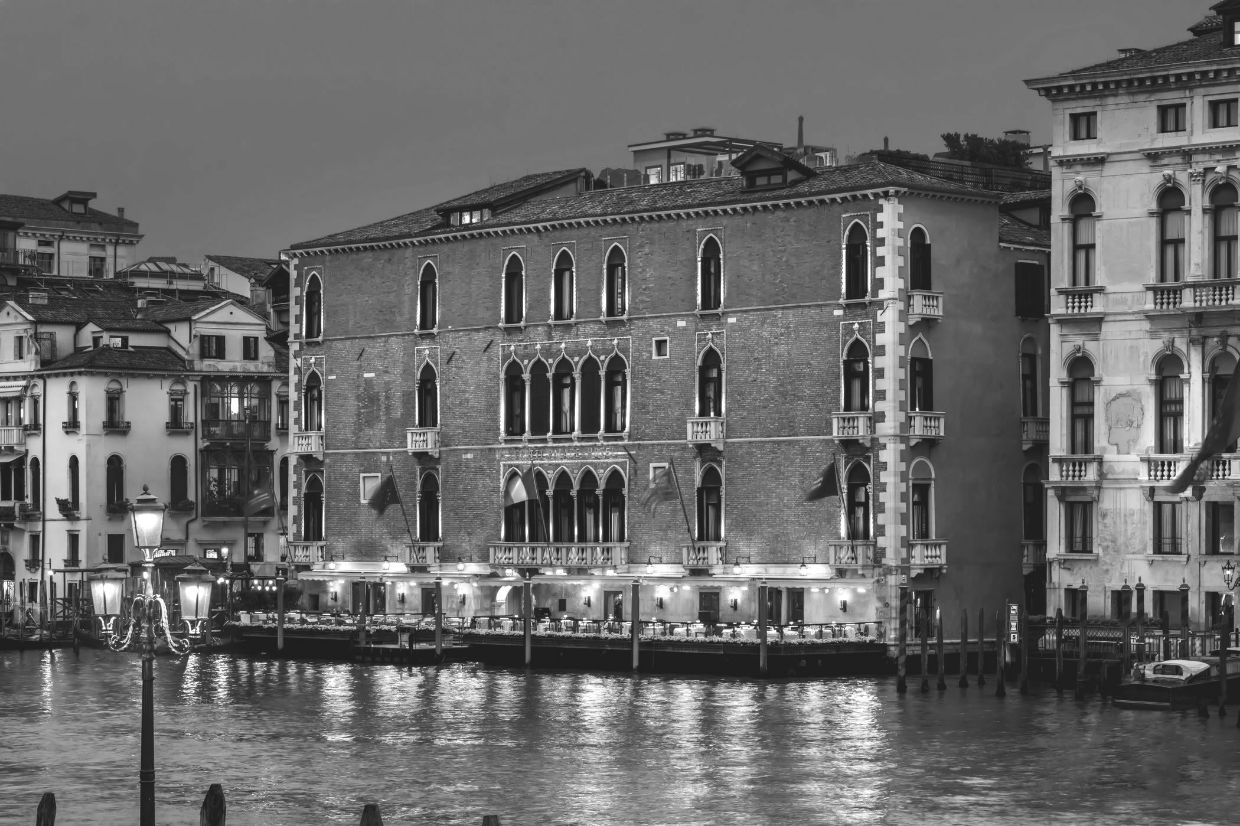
148 618
194 589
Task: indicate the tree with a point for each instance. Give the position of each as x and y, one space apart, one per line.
997 151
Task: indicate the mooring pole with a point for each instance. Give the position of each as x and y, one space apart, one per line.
527 608
439 618
762 609
635 626
902 644
1000 651
938 654
964 648
1024 651
1059 651
981 647
925 651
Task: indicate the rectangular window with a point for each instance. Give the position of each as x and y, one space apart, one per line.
367 483
1082 435
45 257
654 174
1079 527
116 549
1222 113
1220 528
920 511
281 412
676 172
1073 603
1172 117
1031 290
253 547
1083 126
98 266
1168 604
1166 528
1029 406
19 347
1121 604
249 348
72 550
211 347
659 348
36 549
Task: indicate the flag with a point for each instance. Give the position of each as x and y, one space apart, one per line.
1223 431
260 501
662 489
520 488
384 495
827 485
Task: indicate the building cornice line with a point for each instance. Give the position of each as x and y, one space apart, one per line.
1077 85
526 446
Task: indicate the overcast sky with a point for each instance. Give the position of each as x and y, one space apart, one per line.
243 126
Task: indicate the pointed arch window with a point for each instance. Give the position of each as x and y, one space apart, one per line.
1081 388
858 493
614 529
921 378
856 260
562 288
514 400
563 509
428 297
591 393
540 399
615 396
428 509
313 404
710 506
36 483
114 481
1083 240
589 515
1171 236
1034 509
516 509
1170 405
312 509
710 384
539 510
1030 404
564 398
178 480
857 377
514 290
428 398
75 489
615 284
72 409
114 405
1226 216
921 501
313 315
710 275
1222 367
919 260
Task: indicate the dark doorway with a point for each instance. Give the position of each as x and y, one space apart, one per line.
923 613
613 605
775 606
796 605
428 600
708 607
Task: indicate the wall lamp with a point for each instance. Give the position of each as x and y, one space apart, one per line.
400 597
658 602
804 569
736 564
735 603
650 563
335 596
586 601
1229 575
844 606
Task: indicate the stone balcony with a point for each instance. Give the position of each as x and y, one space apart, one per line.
307 553
1080 301
1197 296
927 553
422 440
852 425
706 430
1161 468
422 553
1033 554
558 554
704 554
1034 432
308 441
850 553
924 305
12 436
923 425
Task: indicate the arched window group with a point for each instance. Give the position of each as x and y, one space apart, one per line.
563 299
312 509
1224 214
567 510
566 399
1083 240
615 284
1171 236
514 290
428 397
312 403
428 297
312 313
710 505
856 263
857 502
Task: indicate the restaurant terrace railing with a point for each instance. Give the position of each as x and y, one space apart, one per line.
559 554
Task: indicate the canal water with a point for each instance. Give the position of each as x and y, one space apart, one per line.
300 743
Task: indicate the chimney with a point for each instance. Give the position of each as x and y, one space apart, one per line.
120 213
800 131
1020 136
886 144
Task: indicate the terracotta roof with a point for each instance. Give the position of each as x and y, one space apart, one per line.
1029 196
1211 22
1203 49
37 211
635 200
1017 233
147 359
499 193
133 325
179 310
251 268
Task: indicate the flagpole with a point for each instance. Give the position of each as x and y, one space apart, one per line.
401 500
542 517
839 485
671 463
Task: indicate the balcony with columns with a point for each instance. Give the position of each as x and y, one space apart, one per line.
925 426
1033 554
307 442
924 305
558 554
850 553
422 440
854 425
422 553
706 430
704 554
926 554
307 553
12 436
1034 432
1161 468
1080 301
1075 473
1195 296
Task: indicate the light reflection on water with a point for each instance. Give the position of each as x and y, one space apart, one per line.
301 743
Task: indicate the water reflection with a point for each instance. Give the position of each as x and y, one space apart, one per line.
296 743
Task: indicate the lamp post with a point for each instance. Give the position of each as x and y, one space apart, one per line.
148 618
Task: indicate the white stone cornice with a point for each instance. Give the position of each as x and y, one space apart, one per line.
1083 159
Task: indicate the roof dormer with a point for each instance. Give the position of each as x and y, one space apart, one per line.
1229 12
75 201
766 168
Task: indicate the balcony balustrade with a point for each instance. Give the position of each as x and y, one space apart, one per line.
1212 294
1033 554
116 426
236 430
706 430
422 553
12 436
307 553
178 427
704 554
422 440
852 425
1084 469
1165 467
1081 300
850 553
1034 431
922 425
928 553
558 554
924 305
307 442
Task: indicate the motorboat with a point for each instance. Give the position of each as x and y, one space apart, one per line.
1178 683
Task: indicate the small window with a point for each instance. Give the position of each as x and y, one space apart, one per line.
368 483
249 348
211 347
1031 298
676 171
19 347
116 548
659 348
654 174
1172 117
1222 113
1083 126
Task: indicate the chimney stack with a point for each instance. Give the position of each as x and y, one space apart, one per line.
120 213
886 144
800 131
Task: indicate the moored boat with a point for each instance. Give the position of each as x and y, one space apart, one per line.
1177 683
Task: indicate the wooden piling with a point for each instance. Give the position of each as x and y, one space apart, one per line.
214 809
981 647
1059 651
527 609
1166 640
1082 655
964 648
439 618
1024 651
902 643
635 626
1222 675
371 816
45 815
1000 647
762 609
490 820
925 653
938 653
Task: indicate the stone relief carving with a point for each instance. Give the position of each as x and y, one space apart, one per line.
1125 415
